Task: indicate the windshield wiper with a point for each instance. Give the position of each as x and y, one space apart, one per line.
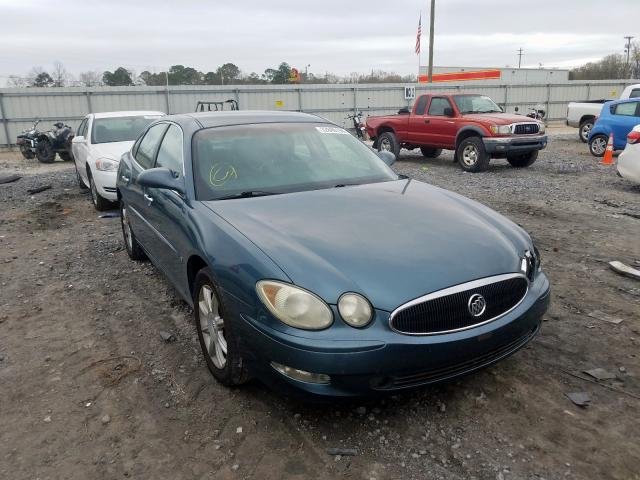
248 194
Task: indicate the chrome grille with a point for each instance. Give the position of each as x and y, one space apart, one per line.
448 310
526 128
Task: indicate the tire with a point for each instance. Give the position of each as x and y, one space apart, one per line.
523 160
430 152
65 156
27 153
134 250
45 152
222 355
472 155
598 145
584 129
387 141
99 202
83 188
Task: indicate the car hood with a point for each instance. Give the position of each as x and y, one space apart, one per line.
390 241
113 150
497 118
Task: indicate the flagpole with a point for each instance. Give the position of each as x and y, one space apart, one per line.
419 51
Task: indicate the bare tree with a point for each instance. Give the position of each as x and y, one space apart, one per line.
14 81
59 74
90 78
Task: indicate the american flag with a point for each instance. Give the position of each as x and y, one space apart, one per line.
418 35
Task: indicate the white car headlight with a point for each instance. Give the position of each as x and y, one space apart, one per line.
107 164
294 306
355 310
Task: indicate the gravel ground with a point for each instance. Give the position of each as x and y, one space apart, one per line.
91 390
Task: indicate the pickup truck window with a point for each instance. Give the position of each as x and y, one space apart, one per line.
635 93
626 109
475 104
437 106
421 105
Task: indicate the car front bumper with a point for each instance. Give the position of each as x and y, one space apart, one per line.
106 183
514 144
383 360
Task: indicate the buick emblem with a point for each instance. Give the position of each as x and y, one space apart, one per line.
477 305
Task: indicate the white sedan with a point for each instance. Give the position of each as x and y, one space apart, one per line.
100 141
629 159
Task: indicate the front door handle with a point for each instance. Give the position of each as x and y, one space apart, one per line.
148 198
125 178
427 121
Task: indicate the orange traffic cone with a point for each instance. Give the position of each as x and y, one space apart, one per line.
608 153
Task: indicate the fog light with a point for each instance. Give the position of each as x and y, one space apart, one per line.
301 375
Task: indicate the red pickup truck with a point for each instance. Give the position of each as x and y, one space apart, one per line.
471 125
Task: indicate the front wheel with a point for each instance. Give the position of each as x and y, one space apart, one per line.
215 332
598 145
472 155
99 202
584 130
45 152
134 250
27 153
430 152
388 142
522 160
65 156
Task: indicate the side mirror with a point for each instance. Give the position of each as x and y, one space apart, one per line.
161 178
387 157
448 112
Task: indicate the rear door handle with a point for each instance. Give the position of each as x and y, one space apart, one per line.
427 121
148 198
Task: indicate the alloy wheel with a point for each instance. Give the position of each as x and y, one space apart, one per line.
126 228
385 145
94 191
470 155
212 326
598 146
585 131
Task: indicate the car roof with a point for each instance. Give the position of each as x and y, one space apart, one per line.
240 117
127 113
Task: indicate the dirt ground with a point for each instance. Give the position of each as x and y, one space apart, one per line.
89 389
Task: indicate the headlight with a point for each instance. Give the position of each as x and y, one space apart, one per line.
542 128
538 259
355 310
294 306
500 129
107 164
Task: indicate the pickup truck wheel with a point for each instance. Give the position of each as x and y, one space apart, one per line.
584 130
430 152
472 156
598 145
522 160
389 143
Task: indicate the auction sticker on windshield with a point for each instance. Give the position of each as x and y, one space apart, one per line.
337 130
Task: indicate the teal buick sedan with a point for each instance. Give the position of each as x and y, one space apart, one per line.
313 267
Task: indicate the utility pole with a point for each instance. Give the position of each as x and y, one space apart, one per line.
431 22
520 56
628 50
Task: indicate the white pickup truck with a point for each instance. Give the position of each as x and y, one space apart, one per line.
583 114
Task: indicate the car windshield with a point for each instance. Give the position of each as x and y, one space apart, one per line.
475 104
263 159
119 129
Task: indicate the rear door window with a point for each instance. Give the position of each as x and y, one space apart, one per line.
635 93
146 152
421 105
626 109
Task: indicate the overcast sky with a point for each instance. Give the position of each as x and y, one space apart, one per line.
331 35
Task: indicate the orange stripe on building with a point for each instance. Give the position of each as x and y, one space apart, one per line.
463 76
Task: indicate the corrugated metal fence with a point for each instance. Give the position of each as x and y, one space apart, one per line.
20 107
